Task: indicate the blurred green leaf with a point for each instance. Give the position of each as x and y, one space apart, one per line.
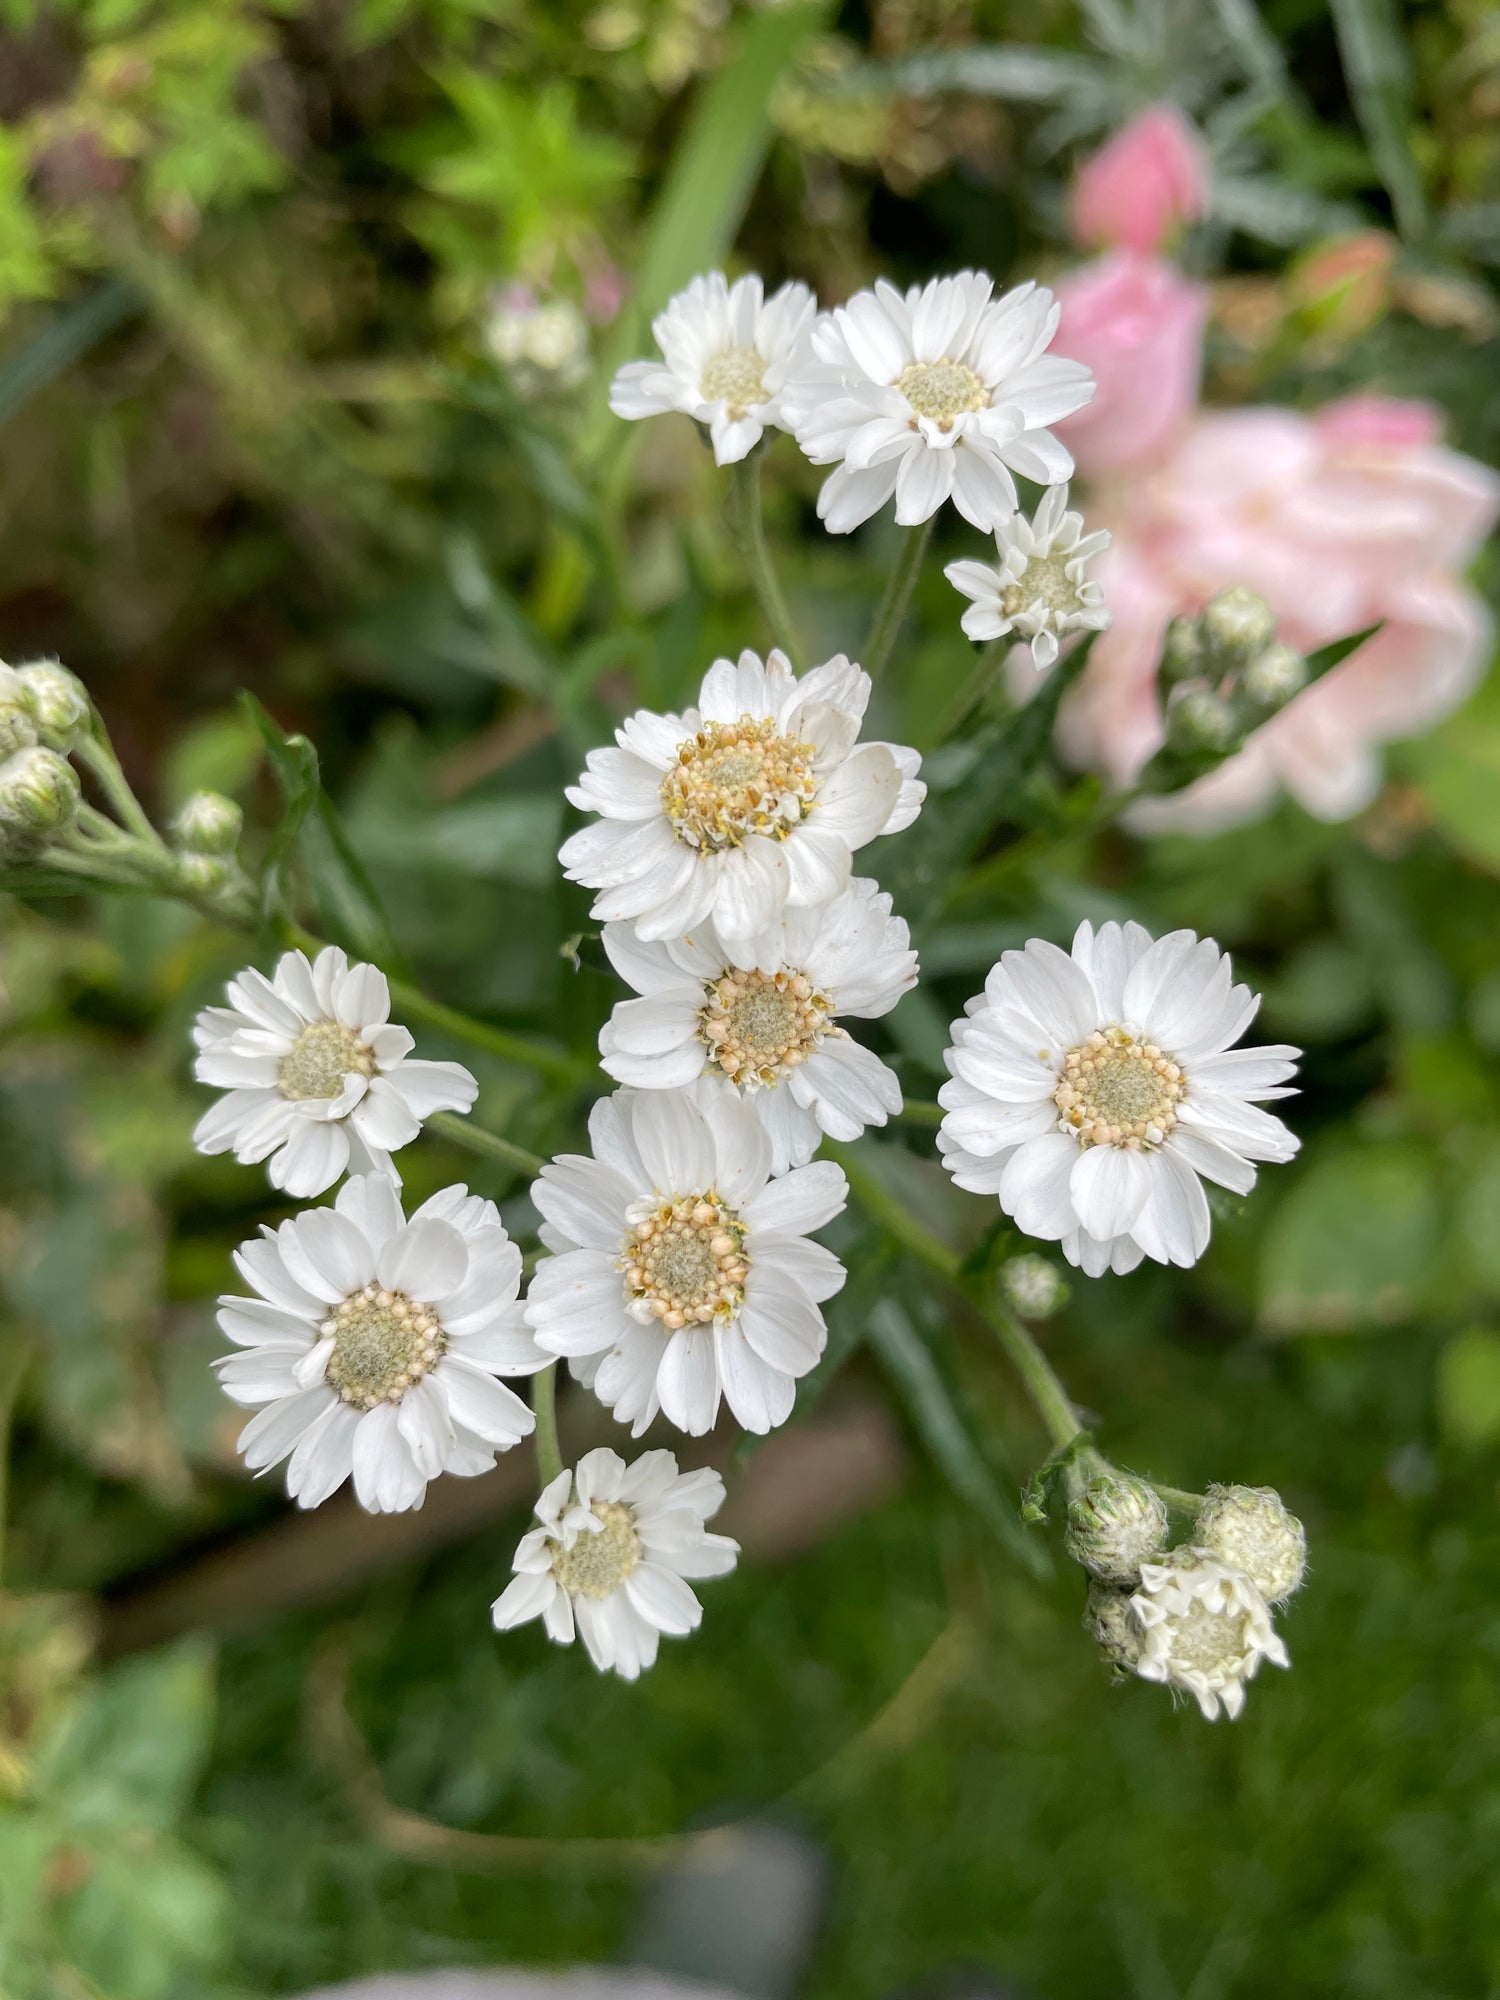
1468 1388
1378 70
1353 1243
133 1749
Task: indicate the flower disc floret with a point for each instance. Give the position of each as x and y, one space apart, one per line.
1116 1091
942 390
383 1344
759 1026
736 377
320 1060
600 1559
685 1260
733 779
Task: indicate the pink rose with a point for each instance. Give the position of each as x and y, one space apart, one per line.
1138 324
1140 187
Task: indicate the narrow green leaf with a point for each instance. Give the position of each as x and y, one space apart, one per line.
1014 74
295 762
65 338
1379 78
1337 651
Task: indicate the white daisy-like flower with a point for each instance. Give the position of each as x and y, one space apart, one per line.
316 1080
939 395
750 804
374 1345
772 1036
1204 1628
727 353
680 1271
610 1558
1040 590
1091 1092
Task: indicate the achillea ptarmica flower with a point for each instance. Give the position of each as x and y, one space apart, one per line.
1250 1528
316 1078
680 1271
774 1037
374 1345
940 394
727 354
1040 591
1204 1628
1094 1093
737 810
1116 1523
609 1560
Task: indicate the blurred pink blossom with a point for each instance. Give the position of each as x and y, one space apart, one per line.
1138 189
1339 520
1138 324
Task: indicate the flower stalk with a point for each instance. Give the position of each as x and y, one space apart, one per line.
896 599
747 525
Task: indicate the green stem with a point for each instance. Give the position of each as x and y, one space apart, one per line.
748 527
917 1111
975 687
464 1132
1185 1503
897 596
549 1460
94 749
13 1363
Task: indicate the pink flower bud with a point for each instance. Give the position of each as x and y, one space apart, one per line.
1140 187
1138 324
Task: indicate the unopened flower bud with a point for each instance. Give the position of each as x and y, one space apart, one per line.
1237 624
1032 1287
1111 1624
209 824
1116 1523
1273 677
1199 719
1249 1528
58 702
203 872
39 792
17 727
1183 654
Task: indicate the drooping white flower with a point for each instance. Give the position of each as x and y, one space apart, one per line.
374 1344
727 352
940 394
611 1555
773 1037
1205 1628
1040 590
1090 1092
750 804
316 1080
680 1271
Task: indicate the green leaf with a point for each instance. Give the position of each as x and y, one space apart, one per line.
1354 1242
295 762
1467 1388
65 338
1458 771
1379 79
132 1751
1013 73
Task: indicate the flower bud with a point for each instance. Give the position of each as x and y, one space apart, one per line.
1273 677
1111 1624
1116 1523
202 872
1237 624
209 824
58 702
17 727
1032 1287
1249 1528
1183 653
39 792
1199 719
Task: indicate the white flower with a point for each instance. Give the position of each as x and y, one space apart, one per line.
1040 590
939 395
773 1036
609 1559
747 805
727 352
313 1074
1205 1628
1091 1092
680 1271
374 1344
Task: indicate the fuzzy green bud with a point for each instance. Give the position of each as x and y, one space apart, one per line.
1248 1528
1111 1624
1274 677
1199 719
202 872
17 727
1116 1523
1237 624
58 702
1032 1287
1183 654
39 793
209 824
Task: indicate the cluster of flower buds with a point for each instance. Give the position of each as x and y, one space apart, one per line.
42 709
1224 672
206 835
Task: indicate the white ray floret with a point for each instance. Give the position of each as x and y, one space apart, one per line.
727 354
1095 1092
681 1273
612 1555
1204 1628
1040 590
745 806
373 1345
940 394
316 1079
773 1037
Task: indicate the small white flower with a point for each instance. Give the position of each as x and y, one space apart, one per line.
750 804
681 1272
374 1344
773 1036
314 1075
1091 1092
727 352
609 1559
1205 1628
939 395
1039 591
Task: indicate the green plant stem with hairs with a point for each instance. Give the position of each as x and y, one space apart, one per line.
891 614
747 525
549 1460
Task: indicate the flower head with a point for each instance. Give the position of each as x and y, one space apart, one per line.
773 1037
209 824
610 1557
1094 1093
1138 188
941 394
58 701
1204 1628
374 1344
315 1078
727 354
1250 1528
680 1272
39 795
1116 1523
1041 590
745 806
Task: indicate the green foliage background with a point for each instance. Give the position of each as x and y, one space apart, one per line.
252 440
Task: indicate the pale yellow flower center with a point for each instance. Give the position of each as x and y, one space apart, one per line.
597 1564
685 1262
383 1343
317 1063
1115 1091
759 1025
735 378
942 390
737 778
1203 1639
1046 579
